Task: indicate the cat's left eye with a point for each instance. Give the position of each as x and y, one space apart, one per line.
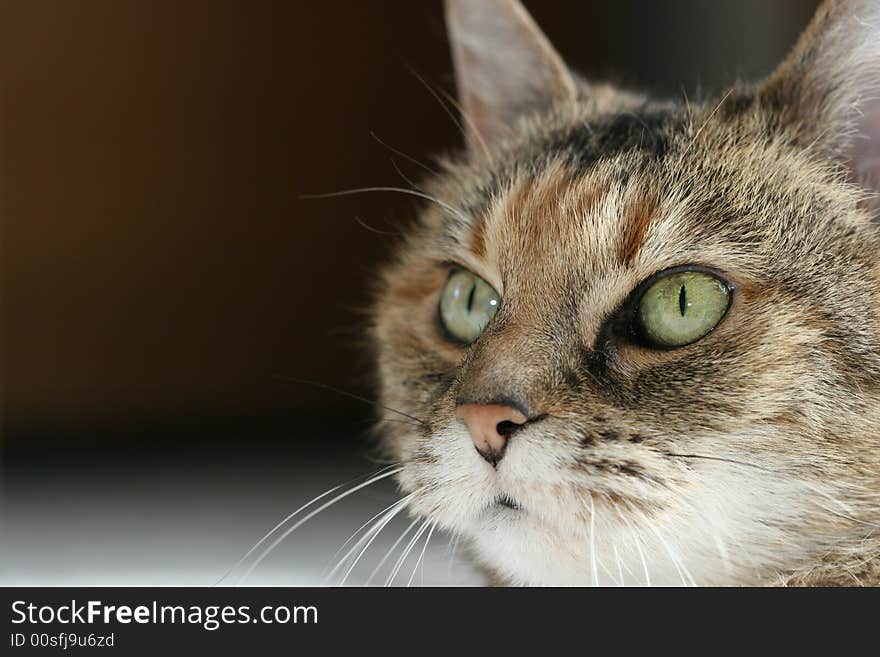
466 305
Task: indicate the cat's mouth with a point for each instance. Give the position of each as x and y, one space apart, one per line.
506 501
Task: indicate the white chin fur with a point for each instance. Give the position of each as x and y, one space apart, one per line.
737 527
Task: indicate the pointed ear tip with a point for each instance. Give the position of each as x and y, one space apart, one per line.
458 11
496 45
827 86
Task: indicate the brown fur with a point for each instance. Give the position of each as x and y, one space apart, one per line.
568 214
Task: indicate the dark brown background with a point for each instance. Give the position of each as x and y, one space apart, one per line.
158 263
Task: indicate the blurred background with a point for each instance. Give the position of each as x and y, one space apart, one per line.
163 279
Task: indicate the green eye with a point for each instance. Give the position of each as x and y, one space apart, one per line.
466 305
683 307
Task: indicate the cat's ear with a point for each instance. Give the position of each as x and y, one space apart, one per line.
504 67
829 86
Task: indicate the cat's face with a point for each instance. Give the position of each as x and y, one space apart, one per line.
679 306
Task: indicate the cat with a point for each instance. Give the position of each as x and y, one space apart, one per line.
639 340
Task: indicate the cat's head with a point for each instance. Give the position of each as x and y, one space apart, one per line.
642 339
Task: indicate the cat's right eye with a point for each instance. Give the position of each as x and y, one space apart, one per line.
466 305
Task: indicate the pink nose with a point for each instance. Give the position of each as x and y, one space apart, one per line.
490 426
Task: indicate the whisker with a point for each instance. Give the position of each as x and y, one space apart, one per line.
377 231
451 549
291 516
468 121
400 190
706 122
683 572
642 557
405 177
721 546
391 551
433 526
619 565
846 516
719 458
437 97
717 537
687 104
464 117
311 515
635 535
848 509
400 153
384 522
399 421
422 555
273 530
346 393
358 531
376 460
406 552
620 581
593 542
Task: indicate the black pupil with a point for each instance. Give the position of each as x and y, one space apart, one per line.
470 301
682 300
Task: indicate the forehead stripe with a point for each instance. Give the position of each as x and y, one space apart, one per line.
636 220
